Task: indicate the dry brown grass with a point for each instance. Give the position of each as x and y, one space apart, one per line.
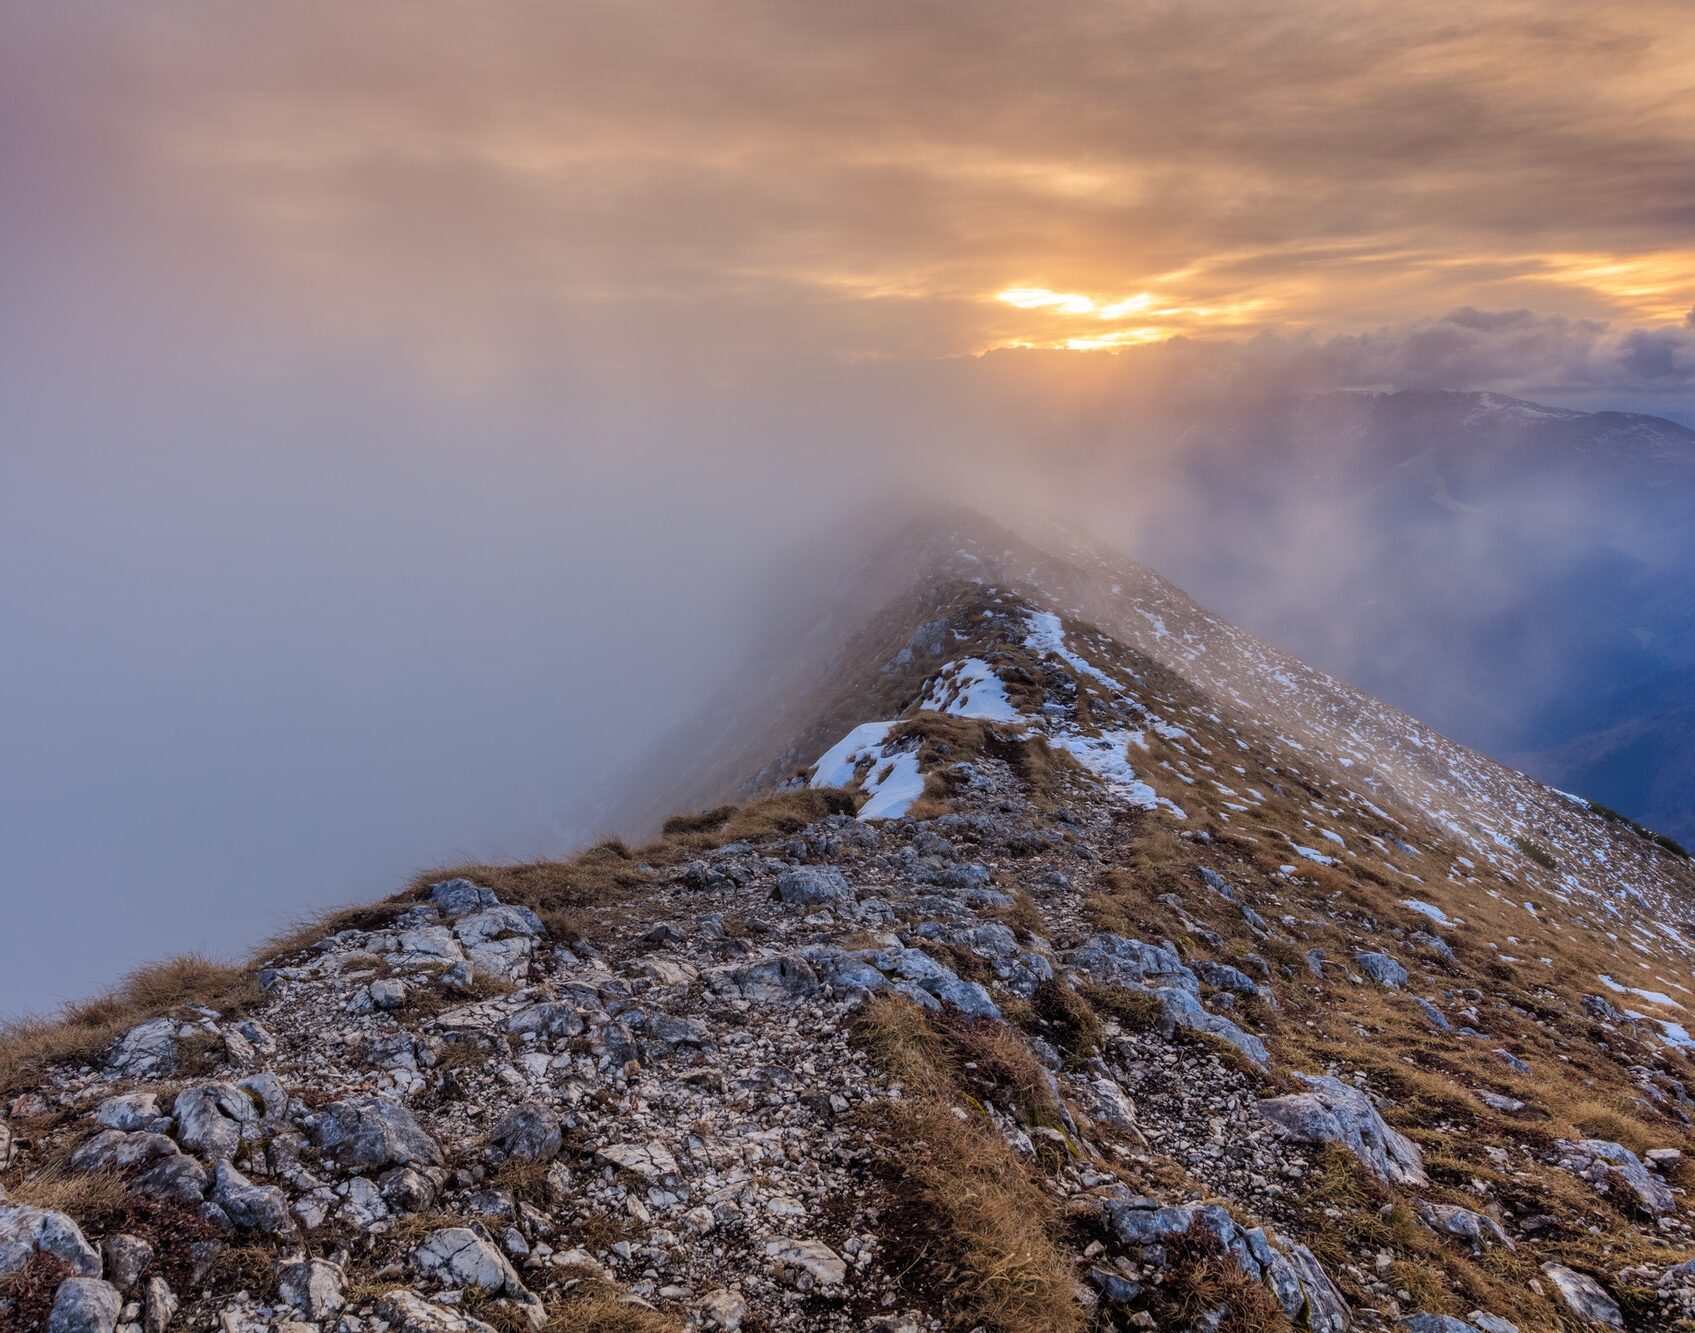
966 1220
27 1295
1066 1019
952 1056
81 1032
103 1205
596 1307
967 1223
580 895
1200 1277
78 1193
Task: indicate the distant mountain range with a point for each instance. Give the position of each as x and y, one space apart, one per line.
1517 575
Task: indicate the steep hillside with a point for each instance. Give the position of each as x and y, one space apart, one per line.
1069 959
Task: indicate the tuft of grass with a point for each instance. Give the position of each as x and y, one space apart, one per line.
966 1219
1203 1286
80 1033
1134 1010
1537 853
1066 1018
597 1307
967 1222
78 1193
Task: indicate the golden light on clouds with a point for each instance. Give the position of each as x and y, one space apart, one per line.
872 181
1071 320
1656 288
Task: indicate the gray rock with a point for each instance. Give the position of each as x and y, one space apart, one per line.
1113 960
968 997
1484 1322
497 923
457 897
127 1258
529 1133
1586 1298
1181 1011
271 1095
550 1019
114 1150
24 1230
812 886
85 1305
1437 1018
1598 1006
159 1306
1605 1164
406 1313
805 1264
314 1288
261 1208
1452 1220
508 958
210 1118
406 1190
459 1257
766 980
1222 976
178 1177
1333 1112
369 1133
147 1051
1435 944
723 1309
1434 1323
387 993
1289 1270
652 1161
1382 969
130 1112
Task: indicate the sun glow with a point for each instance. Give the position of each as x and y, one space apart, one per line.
1070 320
1073 303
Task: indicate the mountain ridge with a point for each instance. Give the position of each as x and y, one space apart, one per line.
1071 959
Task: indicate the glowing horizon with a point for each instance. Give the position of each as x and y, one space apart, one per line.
420 176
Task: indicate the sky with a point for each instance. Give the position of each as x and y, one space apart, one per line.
407 403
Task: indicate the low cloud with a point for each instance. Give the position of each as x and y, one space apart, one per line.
1510 351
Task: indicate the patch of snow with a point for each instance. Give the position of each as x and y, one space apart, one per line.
841 760
1105 757
976 692
1430 910
894 786
1047 634
1652 996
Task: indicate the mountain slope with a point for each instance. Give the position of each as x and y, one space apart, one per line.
1071 960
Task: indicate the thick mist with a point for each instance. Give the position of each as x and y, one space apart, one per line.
409 413
282 636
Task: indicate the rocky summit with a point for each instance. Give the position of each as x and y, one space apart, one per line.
1052 956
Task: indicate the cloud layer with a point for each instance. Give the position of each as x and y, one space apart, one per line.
474 185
